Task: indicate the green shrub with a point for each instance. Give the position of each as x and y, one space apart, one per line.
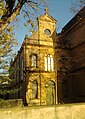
10 103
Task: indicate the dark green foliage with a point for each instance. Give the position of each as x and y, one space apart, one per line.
10 103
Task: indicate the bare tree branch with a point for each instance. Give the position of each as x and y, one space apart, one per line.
8 19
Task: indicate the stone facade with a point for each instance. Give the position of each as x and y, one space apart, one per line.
37 64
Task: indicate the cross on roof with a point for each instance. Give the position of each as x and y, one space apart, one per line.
46 10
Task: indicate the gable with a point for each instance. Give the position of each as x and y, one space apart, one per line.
46 17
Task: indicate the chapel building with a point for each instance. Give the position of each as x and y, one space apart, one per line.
50 68
35 64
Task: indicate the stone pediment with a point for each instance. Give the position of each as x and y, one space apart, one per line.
47 17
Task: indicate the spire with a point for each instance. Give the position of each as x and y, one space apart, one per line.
46 11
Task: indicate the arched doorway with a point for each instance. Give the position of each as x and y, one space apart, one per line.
50 93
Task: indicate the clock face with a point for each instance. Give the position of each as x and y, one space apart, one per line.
47 32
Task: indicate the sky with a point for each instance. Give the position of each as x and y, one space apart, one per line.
59 9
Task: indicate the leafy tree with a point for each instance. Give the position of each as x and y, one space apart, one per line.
9 12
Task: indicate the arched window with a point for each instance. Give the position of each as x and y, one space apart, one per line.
50 92
49 63
34 89
33 60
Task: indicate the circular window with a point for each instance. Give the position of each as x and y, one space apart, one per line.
47 32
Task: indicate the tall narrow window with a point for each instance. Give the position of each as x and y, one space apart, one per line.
49 63
45 61
34 60
34 89
22 63
52 63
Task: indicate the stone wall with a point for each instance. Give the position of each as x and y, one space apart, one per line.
67 111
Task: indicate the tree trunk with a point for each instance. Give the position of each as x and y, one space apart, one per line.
16 11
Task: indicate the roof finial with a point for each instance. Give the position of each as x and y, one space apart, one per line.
26 36
46 11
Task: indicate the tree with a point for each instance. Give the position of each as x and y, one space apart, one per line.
9 10
9 13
